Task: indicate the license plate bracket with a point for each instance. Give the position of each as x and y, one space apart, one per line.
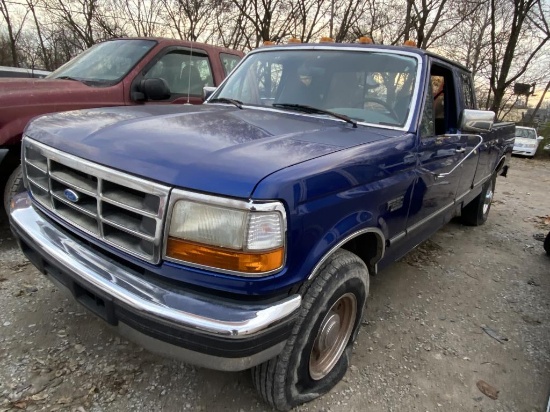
100 306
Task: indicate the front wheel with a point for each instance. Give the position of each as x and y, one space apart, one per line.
476 212
317 354
14 185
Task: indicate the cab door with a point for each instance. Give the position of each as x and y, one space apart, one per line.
440 152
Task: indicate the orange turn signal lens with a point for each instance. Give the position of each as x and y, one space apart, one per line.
222 258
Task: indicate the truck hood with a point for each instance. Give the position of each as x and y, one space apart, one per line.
24 87
210 148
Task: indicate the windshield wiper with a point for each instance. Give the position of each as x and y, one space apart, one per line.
237 103
87 82
309 109
68 78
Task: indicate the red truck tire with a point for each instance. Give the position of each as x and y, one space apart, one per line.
14 185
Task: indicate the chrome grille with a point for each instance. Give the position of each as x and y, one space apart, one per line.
122 210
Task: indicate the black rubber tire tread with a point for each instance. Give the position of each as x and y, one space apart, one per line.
271 378
472 213
547 244
14 185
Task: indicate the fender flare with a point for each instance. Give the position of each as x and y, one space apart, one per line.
381 248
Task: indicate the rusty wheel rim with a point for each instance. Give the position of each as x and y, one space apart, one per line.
333 336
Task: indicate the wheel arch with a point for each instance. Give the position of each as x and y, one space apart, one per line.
500 163
368 243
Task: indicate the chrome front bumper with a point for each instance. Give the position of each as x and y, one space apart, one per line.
167 320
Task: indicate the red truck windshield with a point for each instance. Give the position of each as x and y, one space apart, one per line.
105 63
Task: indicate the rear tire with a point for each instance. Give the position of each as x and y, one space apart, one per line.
317 354
476 212
14 186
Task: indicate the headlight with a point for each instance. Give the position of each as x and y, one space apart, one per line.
229 235
530 145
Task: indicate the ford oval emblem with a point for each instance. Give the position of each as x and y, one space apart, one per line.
71 195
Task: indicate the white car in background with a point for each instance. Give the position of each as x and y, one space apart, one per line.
526 142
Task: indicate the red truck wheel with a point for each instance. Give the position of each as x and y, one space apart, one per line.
317 354
14 185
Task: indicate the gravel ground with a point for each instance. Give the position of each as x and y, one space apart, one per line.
469 305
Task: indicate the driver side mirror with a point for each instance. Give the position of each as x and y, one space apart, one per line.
155 89
539 138
476 120
207 91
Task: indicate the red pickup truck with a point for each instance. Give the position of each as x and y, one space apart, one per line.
118 72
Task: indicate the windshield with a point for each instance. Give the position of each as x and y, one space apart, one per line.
105 63
367 86
526 133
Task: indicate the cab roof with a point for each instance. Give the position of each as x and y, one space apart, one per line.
409 49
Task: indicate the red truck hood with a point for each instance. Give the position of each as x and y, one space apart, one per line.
10 88
23 99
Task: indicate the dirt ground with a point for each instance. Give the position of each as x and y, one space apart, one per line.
422 347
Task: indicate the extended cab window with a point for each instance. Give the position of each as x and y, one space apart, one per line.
229 61
184 73
370 87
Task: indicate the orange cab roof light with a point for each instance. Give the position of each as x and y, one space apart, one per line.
268 43
294 40
364 40
410 43
326 40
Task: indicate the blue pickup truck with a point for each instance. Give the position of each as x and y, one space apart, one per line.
241 233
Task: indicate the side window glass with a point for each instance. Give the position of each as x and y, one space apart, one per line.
229 61
427 128
168 68
467 91
198 72
438 99
184 73
444 98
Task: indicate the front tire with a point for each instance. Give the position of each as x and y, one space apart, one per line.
476 212
317 354
14 186
547 244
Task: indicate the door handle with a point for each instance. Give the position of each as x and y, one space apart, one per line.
442 175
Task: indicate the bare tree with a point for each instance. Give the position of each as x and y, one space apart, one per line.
191 19
238 34
349 13
516 26
306 18
13 31
267 17
143 16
